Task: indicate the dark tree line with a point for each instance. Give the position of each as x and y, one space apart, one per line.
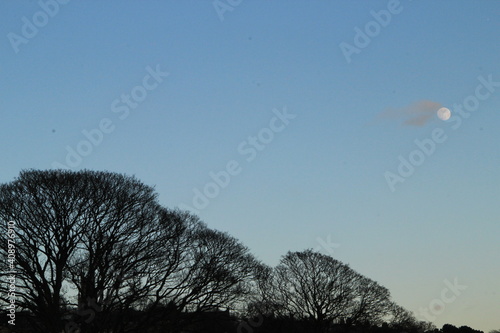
100 242
96 252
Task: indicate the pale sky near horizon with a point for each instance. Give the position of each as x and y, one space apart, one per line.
268 94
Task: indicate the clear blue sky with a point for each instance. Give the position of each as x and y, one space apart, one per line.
321 176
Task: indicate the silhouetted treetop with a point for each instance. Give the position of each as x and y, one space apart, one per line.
102 238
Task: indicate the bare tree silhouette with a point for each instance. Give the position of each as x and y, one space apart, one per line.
105 237
315 286
96 252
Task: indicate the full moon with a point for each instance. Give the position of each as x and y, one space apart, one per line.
444 113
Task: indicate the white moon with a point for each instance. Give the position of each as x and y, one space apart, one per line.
444 113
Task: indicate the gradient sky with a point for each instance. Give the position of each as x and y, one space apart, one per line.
319 180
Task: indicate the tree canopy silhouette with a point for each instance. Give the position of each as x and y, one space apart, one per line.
312 286
96 252
100 242
320 287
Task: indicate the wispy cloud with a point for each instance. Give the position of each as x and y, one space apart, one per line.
417 114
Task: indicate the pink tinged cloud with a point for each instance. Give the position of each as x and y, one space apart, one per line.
417 114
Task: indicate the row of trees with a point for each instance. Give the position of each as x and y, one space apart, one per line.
94 249
102 238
